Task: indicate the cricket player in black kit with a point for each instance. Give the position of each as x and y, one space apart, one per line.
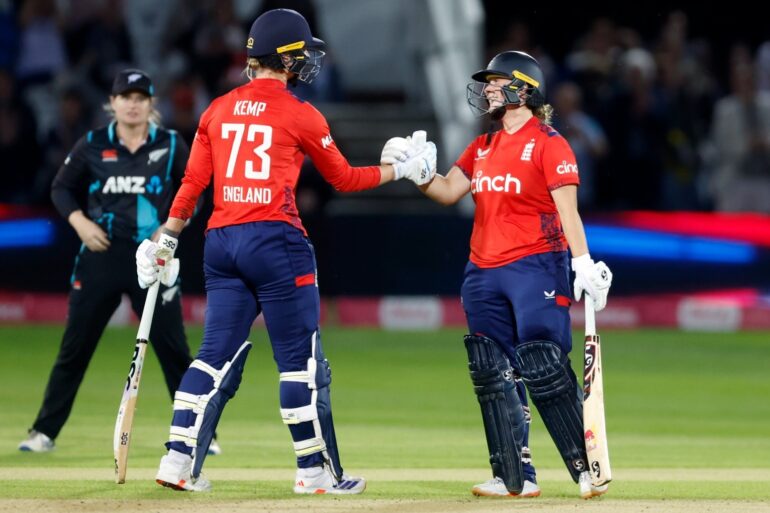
129 172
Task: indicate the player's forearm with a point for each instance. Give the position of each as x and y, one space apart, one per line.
565 199
439 191
77 218
186 200
447 190
574 233
174 226
387 174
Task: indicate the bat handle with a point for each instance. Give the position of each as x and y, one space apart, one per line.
590 316
149 310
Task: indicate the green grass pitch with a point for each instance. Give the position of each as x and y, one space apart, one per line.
688 418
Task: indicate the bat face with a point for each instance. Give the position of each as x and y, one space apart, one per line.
589 364
593 413
125 418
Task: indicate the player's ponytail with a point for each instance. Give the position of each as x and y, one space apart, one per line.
272 62
544 113
252 65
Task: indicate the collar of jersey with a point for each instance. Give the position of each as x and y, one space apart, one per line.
268 82
530 122
152 132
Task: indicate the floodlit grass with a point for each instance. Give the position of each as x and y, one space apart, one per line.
403 400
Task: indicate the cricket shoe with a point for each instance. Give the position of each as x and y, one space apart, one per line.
319 480
587 489
37 442
175 472
496 488
214 448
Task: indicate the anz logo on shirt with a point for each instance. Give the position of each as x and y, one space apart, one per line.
132 185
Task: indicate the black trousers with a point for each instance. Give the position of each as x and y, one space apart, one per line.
98 282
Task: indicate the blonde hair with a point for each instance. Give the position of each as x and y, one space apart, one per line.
155 116
252 65
544 113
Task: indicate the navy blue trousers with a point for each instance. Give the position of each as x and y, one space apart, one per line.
525 300
253 268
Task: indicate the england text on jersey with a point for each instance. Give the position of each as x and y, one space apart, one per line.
235 194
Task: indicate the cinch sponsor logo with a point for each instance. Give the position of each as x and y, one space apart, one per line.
481 183
566 167
326 141
249 108
124 185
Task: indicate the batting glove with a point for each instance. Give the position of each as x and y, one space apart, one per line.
421 168
593 278
400 149
397 149
155 261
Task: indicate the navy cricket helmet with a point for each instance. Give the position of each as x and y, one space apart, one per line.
525 74
286 33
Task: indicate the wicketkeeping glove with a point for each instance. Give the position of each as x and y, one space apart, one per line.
593 278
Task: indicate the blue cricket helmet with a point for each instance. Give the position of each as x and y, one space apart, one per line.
285 32
279 31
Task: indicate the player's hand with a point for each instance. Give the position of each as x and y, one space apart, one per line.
92 235
420 163
420 168
154 261
397 149
400 149
593 278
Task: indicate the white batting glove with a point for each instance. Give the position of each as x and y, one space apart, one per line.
166 248
593 278
397 149
151 266
420 168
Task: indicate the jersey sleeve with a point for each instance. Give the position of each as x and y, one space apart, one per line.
558 163
465 162
197 174
70 179
316 142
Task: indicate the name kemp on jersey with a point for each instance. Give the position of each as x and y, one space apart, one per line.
248 108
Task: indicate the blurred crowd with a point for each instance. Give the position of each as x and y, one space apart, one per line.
652 125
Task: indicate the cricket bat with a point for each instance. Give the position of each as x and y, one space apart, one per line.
594 427
122 437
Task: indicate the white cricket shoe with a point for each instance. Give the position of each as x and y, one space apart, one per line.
587 488
37 442
496 488
320 480
214 448
175 472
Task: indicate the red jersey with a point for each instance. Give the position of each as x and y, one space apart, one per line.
511 179
252 141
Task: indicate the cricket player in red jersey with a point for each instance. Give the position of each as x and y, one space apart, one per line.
516 292
251 142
